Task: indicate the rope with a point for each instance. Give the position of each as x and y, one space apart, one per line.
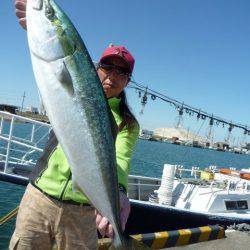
9 216
181 105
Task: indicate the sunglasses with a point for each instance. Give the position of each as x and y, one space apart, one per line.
121 71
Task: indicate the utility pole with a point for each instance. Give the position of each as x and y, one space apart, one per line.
23 101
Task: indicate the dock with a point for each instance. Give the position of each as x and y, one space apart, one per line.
233 240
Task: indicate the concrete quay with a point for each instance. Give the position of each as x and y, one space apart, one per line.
235 240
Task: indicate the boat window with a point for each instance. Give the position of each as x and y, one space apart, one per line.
231 205
236 205
242 204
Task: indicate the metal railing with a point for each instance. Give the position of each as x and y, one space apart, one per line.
28 142
140 183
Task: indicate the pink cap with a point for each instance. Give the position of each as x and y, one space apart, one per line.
119 51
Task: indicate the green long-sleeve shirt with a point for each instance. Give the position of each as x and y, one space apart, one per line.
55 179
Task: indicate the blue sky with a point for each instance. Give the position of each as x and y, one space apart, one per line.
194 51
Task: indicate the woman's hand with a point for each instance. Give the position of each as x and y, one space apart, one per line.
102 223
21 12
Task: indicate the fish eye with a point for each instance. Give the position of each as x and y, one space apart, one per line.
49 12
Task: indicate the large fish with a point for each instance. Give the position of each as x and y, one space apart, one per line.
76 106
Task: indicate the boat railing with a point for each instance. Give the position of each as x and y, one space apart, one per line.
141 186
30 142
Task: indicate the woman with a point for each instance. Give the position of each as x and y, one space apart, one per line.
50 210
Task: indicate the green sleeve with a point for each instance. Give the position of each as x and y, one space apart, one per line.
125 143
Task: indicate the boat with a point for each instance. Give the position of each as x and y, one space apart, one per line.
209 192
185 198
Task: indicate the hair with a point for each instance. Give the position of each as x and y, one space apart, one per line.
128 119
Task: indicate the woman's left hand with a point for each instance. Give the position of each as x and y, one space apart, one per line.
102 223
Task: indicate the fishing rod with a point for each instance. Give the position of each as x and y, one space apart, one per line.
144 92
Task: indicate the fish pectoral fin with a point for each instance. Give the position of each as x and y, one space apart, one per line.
63 75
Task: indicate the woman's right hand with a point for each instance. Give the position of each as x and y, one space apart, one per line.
21 12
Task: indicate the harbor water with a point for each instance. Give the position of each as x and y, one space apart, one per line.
148 160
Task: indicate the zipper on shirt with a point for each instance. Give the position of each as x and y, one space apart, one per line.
64 188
